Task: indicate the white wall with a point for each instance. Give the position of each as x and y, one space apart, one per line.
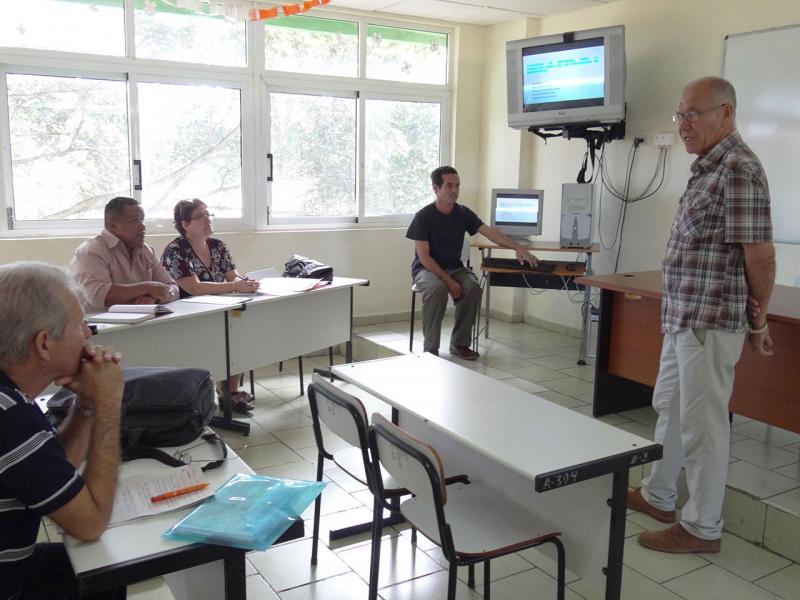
668 44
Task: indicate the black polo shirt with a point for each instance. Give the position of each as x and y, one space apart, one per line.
444 233
35 479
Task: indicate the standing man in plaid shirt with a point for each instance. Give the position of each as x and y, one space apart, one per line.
719 253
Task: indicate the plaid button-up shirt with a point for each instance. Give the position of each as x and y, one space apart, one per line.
725 205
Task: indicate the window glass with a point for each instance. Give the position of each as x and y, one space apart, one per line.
69 145
406 55
313 141
191 147
402 148
66 25
311 45
166 32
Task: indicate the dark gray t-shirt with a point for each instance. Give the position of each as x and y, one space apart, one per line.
444 233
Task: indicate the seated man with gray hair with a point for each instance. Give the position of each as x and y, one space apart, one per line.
117 267
43 341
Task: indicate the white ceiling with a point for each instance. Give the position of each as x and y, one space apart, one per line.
476 12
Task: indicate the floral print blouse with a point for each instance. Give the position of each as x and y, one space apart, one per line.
181 261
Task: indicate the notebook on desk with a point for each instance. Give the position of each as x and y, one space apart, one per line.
119 317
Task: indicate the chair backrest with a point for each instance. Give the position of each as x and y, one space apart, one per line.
466 251
341 412
412 463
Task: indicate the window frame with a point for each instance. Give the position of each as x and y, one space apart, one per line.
255 84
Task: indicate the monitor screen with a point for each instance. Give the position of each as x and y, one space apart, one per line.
517 213
565 75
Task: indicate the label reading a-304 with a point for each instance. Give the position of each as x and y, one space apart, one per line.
560 480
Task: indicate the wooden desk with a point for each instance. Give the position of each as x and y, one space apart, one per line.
136 551
560 279
564 464
629 347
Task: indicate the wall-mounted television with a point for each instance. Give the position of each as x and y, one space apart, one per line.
517 213
567 78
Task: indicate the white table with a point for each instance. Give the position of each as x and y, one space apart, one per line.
572 469
135 551
234 339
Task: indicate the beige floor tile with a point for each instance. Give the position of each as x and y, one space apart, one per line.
289 565
788 501
792 471
782 533
536 374
569 386
635 586
584 372
745 559
301 470
772 436
646 415
525 385
533 583
757 481
557 363
258 589
546 563
761 454
715 583
560 399
784 583
280 420
501 567
267 455
645 431
429 587
340 587
659 566
502 361
400 561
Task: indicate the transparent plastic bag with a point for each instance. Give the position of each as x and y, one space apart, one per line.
248 511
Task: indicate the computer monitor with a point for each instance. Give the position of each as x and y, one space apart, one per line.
517 213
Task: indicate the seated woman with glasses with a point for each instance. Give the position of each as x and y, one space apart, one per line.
202 264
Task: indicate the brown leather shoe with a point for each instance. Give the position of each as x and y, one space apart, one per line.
464 352
637 502
677 540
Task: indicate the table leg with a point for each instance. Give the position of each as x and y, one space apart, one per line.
235 584
616 534
488 305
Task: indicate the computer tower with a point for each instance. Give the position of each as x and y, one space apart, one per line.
576 215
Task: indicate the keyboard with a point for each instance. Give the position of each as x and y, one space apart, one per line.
544 266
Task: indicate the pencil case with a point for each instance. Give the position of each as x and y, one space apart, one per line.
248 511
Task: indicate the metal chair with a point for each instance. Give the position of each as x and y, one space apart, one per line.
471 523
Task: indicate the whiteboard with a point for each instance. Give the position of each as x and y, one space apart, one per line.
764 67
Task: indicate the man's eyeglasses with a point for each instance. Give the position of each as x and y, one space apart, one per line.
692 115
202 216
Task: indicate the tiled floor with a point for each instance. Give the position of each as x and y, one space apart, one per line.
764 462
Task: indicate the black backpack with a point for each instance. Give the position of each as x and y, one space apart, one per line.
300 266
160 407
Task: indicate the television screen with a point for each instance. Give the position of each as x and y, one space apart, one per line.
567 78
556 76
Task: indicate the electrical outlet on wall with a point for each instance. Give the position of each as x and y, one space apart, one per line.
663 139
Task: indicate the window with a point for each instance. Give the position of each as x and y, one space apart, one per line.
402 148
312 176
323 117
166 32
311 45
365 151
406 55
69 145
90 27
191 146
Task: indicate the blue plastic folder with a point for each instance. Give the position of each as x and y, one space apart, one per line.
248 511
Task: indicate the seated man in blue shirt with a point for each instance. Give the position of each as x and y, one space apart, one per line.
43 341
438 233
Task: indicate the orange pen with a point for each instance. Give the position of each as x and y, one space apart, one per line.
182 491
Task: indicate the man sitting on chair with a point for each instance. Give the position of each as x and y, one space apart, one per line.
438 233
117 267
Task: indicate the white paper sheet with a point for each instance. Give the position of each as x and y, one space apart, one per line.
133 495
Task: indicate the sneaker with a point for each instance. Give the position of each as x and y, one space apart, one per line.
677 540
464 352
